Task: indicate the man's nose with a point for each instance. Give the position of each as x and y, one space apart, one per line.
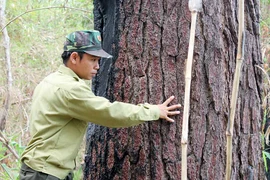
97 66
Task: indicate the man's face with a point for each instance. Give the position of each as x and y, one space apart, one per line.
87 67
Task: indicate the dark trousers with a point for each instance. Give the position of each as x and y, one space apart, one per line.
27 173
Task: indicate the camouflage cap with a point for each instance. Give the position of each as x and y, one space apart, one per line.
85 41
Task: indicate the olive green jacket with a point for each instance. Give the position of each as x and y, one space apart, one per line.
62 106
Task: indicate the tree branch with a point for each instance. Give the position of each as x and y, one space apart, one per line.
39 9
6 143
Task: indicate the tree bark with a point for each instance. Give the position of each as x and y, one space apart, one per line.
149 42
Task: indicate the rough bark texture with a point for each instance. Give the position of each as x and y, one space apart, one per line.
149 42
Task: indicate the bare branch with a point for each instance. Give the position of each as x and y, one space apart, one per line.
4 140
39 9
21 101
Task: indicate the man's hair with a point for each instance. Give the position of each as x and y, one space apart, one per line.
66 54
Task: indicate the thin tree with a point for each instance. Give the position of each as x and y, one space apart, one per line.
6 45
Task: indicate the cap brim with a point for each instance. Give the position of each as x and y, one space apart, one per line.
99 53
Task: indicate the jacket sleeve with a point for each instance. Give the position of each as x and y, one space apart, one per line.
84 105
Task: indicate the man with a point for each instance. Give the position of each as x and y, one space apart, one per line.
63 104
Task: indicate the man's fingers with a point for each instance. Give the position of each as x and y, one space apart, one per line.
169 119
171 113
168 101
173 107
169 110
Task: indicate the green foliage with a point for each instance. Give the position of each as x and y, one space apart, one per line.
9 173
266 155
78 174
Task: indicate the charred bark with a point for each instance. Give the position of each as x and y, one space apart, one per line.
149 42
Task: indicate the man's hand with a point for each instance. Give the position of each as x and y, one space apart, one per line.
166 110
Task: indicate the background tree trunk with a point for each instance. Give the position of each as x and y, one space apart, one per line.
6 44
149 42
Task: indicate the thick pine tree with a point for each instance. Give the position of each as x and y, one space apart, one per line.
149 44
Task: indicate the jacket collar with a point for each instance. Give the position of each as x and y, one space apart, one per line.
65 70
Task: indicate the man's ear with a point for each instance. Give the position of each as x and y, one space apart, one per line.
73 57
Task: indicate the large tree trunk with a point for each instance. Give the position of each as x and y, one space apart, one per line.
149 42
